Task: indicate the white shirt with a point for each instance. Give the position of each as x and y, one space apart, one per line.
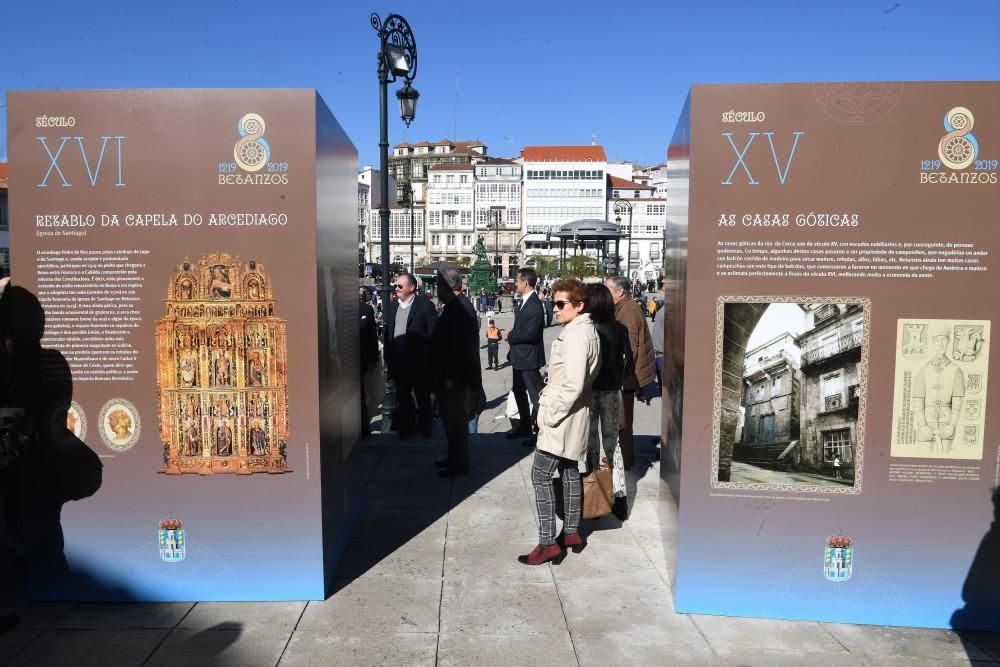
408 303
525 297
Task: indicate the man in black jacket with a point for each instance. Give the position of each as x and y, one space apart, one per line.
455 359
368 339
527 355
409 323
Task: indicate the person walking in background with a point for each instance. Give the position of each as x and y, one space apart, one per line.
564 421
484 301
548 308
628 312
455 359
493 336
368 339
659 333
527 355
605 408
409 322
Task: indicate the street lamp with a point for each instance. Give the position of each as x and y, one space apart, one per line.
397 57
621 206
496 214
408 200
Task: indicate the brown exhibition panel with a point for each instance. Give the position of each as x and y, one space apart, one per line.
193 252
832 252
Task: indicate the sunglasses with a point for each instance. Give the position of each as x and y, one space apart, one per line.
398 286
559 305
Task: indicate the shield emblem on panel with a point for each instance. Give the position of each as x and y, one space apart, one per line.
173 547
838 558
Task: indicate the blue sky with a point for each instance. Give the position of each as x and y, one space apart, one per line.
509 73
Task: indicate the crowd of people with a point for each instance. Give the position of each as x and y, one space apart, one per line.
575 405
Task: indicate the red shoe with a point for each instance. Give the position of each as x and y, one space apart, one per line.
542 554
572 541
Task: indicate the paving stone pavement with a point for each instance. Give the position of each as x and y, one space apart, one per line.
430 578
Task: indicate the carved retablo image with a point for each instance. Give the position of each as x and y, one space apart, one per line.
222 371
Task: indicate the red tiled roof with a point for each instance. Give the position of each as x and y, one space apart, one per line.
403 145
497 160
622 184
452 166
563 154
3 174
422 144
443 142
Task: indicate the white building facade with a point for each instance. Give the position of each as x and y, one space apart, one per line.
497 202
450 211
561 184
642 254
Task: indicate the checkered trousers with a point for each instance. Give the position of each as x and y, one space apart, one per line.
544 466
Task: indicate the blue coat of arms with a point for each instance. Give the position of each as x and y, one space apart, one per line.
838 557
172 545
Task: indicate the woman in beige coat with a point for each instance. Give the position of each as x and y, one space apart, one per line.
564 421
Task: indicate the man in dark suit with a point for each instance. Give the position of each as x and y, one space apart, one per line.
527 354
455 358
409 323
368 339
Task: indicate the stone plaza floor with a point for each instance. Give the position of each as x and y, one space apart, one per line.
430 578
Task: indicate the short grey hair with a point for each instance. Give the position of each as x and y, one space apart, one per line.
619 282
452 278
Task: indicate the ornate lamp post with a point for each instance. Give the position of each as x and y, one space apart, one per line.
496 215
408 199
397 57
621 206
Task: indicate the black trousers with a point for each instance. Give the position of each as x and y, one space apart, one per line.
413 406
492 353
527 383
455 420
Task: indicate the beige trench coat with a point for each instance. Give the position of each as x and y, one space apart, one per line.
564 404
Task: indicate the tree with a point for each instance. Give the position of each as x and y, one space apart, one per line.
580 266
464 260
544 266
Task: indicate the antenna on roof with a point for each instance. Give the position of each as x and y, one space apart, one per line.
454 130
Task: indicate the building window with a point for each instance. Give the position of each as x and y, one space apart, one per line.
451 240
833 392
760 390
775 385
837 443
437 178
463 179
466 240
435 240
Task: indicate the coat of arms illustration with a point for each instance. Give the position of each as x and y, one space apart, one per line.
838 557
172 546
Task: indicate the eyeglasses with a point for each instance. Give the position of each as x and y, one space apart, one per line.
398 286
559 305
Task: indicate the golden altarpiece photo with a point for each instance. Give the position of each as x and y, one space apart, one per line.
222 371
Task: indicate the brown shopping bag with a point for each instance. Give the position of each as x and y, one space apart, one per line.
597 488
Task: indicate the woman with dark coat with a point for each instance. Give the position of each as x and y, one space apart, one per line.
606 404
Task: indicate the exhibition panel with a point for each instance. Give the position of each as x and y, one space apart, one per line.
178 243
831 268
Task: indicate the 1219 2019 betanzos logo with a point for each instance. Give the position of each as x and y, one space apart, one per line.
957 150
252 163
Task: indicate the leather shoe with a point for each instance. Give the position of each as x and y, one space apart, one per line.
452 472
572 541
519 433
542 554
620 508
441 463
